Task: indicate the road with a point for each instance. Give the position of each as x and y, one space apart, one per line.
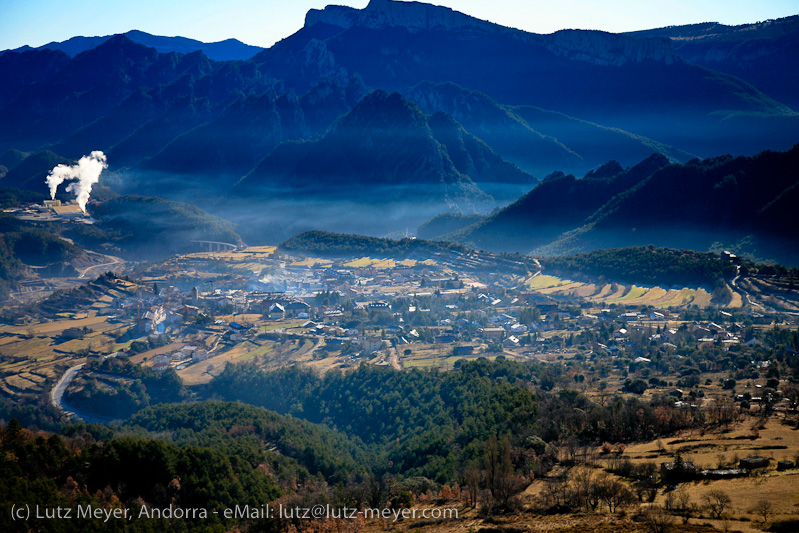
57 399
57 393
743 293
102 267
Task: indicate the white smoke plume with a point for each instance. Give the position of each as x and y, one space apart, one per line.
85 174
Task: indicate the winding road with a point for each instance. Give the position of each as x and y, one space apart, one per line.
57 399
742 292
115 262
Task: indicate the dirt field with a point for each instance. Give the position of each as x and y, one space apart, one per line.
725 448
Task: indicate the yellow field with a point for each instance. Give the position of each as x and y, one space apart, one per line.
777 441
625 295
446 362
702 298
9 340
51 328
203 371
677 298
633 293
603 293
241 318
268 250
586 290
737 300
149 354
361 263
544 282
310 262
19 381
564 288
33 348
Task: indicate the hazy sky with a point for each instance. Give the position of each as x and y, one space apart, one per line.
262 22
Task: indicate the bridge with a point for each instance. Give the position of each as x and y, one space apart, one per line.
216 246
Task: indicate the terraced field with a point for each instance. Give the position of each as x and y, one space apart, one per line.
613 293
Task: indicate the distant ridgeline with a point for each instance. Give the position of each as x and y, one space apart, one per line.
720 202
170 106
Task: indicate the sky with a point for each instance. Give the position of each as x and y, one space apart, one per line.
263 22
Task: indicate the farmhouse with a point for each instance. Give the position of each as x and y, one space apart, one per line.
751 463
676 472
493 333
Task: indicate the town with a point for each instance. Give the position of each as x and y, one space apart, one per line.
197 312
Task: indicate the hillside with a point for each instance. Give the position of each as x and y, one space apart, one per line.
396 45
384 142
535 139
336 245
164 105
719 200
30 172
140 226
762 53
646 266
558 204
440 225
22 246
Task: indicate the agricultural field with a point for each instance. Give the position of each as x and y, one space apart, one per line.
627 295
723 448
264 353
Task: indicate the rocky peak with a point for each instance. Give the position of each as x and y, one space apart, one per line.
602 48
595 47
387 13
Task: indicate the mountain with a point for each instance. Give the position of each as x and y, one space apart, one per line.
12 158
232 144
535 139
238 137
140 226
474 158
640 85
229 49
107 93
721 201
30 172
513 104
559 203
762 53
440 225
88 87
500 128
384 143
20 70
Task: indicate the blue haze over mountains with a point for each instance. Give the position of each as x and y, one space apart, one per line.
378 119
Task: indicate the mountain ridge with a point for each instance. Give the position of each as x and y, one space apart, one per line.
225 50
696 205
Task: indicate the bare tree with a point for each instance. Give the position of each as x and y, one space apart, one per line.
584 487
614 494
501 478
683 499
472 479
717 501
657 520
763 508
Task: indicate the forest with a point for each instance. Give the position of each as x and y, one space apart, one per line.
435 424
334 245
647 265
